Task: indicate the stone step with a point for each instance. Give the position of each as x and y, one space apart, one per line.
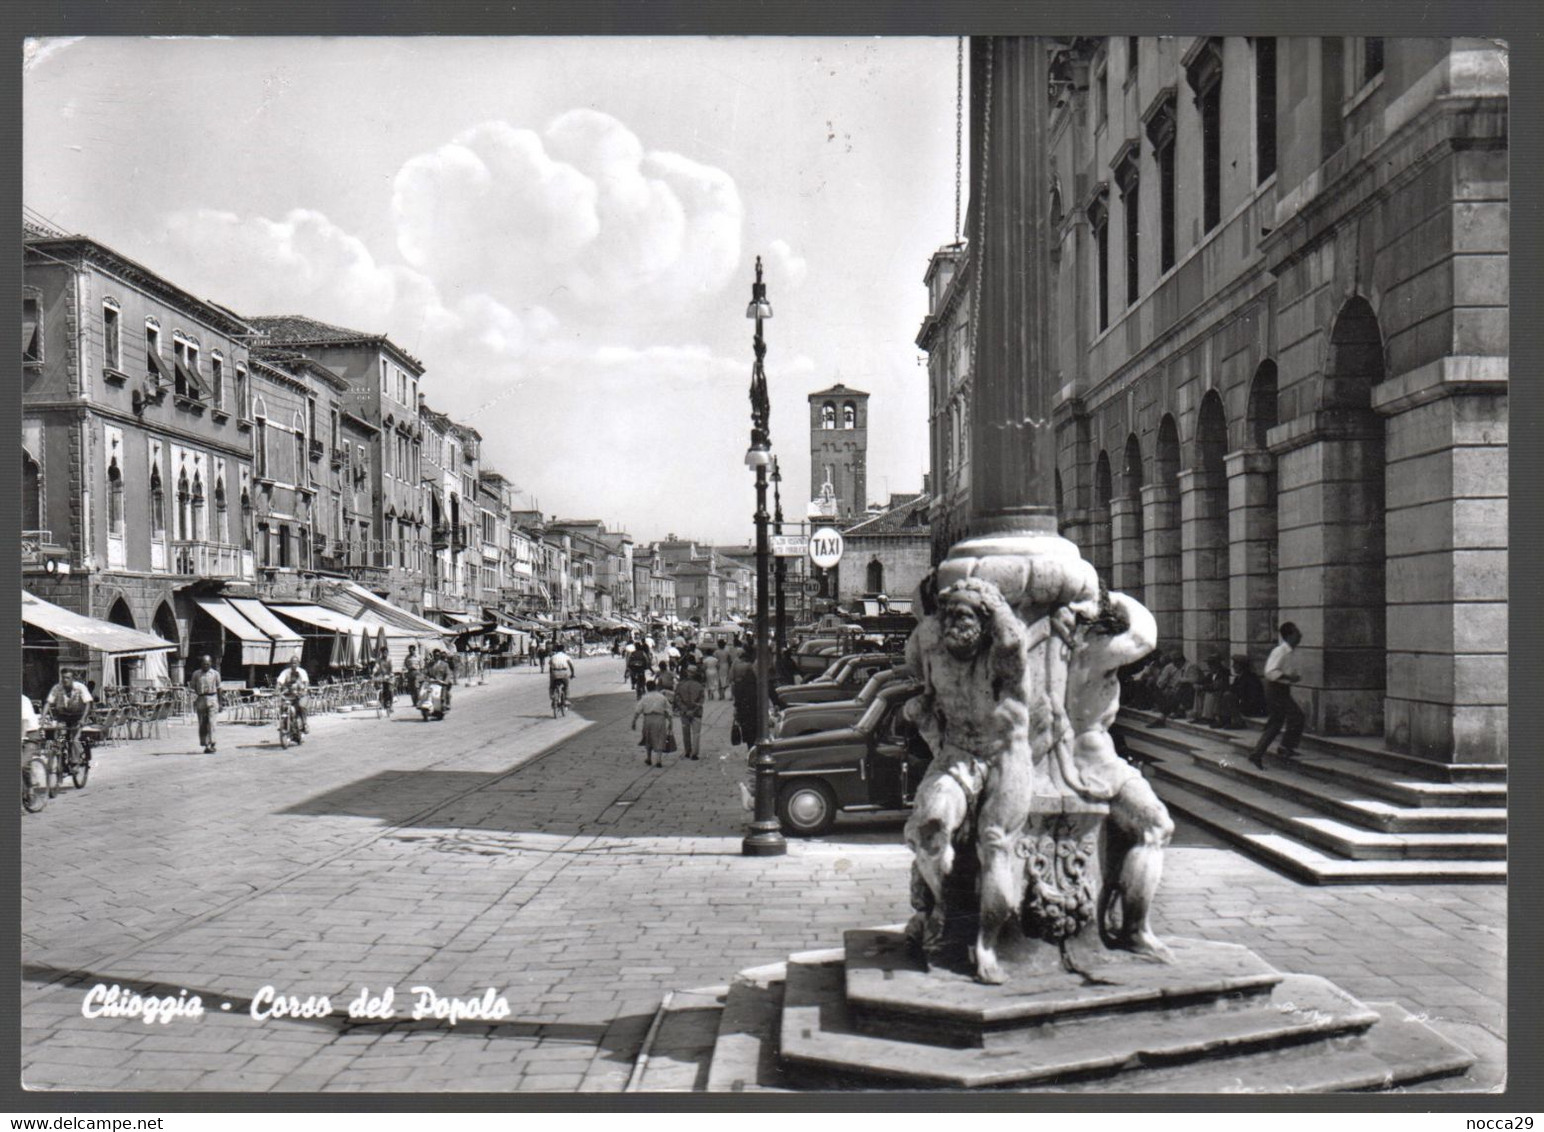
818 1032
1306 863
1258 796
1360 751
1333 798
890 992
679 1047
745 1053
1398 1052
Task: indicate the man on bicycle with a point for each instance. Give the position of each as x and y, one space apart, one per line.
385 680
560 670
293 682
69 701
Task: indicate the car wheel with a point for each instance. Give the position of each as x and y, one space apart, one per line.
806 809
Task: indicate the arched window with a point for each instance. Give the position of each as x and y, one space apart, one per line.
828 416
876 577
184 513
259 438
300 449
246 520
849 415
31 493
114 499
221 518
199 531
157 503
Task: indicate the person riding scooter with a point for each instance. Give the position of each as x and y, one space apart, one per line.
293 683
438 672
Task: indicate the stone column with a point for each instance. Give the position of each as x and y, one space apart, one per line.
1013 443
1161 553
1252 554
1446 448
1126 549
1330 564
1203 564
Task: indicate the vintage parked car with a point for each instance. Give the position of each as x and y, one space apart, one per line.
815 655
873 765
845 681
805 719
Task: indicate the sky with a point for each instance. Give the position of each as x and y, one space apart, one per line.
563 230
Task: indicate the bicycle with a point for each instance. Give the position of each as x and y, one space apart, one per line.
289 722
558 693
387 699
35 781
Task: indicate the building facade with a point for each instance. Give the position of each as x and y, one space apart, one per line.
839 448
889 553
1277 328
136 443
382 389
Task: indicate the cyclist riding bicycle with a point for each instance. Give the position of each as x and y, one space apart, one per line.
560 670
293 683
69 702
385 680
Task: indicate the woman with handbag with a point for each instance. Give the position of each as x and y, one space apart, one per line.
658 734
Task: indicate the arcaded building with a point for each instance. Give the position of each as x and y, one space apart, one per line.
1278 338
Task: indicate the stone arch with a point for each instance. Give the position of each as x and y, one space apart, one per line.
164 624
1332 547
1099 549
1127 535
849 415
1252 523
1204 534
828 416
119 612
1161 538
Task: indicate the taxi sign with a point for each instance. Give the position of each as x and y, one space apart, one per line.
826 547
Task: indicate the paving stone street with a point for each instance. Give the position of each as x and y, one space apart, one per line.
504 849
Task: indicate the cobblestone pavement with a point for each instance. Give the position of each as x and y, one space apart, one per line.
504 849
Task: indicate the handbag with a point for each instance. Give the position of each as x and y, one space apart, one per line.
670 744
735 738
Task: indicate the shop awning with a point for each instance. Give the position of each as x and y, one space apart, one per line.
286 642
354 599
319 616
104 636
256 645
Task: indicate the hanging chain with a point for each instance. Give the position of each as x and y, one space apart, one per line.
978 192
959 127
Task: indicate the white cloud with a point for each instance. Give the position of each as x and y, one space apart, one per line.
580 213
788 266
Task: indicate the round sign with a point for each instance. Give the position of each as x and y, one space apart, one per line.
826 547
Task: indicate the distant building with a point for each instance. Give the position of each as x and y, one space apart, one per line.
888 554
839 449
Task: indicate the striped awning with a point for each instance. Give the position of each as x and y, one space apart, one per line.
256 645
286 642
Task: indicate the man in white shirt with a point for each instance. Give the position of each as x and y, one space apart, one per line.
1281 673
294 681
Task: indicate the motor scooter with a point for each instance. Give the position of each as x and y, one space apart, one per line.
431 700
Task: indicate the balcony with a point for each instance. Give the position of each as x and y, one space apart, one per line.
318 449
339 457
211 560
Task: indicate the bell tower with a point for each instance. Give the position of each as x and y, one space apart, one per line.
839 449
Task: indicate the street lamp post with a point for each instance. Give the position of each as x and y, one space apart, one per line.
765 838
780 564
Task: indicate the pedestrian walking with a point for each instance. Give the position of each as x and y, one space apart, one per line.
654 709
206 702
1281 673
689 696
710 668
727 655
747 696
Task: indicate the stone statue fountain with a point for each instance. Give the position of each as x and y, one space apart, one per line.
1018 651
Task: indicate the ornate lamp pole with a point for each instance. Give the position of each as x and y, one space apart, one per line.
780 565
764 838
